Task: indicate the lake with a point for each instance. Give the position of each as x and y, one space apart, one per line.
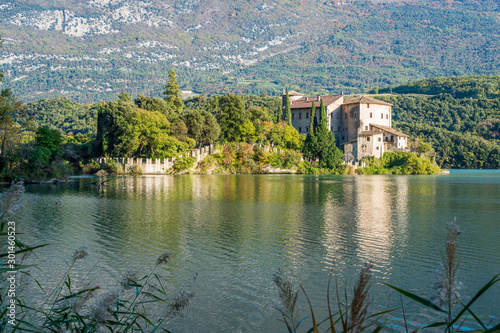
230 233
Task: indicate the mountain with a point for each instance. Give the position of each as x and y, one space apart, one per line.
91 50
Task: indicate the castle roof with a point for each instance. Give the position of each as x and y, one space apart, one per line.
388 130
368 133
293 93
306 102
364 100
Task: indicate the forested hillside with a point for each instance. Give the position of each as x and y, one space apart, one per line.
91 50
464 130
460 116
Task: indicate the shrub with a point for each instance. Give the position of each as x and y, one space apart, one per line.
135 170
113 167
184 163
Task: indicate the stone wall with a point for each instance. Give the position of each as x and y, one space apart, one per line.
155 165
163 165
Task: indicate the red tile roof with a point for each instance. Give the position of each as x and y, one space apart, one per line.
364 100
388 130
306 102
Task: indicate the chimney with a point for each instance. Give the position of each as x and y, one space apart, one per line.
342 93
307 98
319 97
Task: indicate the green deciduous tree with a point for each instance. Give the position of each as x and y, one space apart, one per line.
282 135
151 133
232 115
202 127
118 129
10 134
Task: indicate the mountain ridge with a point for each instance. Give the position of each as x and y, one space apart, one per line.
92 50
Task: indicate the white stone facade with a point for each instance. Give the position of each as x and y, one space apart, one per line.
362 123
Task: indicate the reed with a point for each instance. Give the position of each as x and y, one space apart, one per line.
355 317
134 304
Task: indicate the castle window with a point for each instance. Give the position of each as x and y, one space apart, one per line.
307 115
300 129
377 147
366 128
300 115
339 129
379 139
387 116
354 114
367 138
343 138
368 105
307 129
293 116
371 114
345 115
382 115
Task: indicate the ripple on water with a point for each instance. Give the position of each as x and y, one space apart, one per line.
234 232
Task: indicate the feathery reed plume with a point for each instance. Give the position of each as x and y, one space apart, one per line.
11 199
361 301
180 302
100 307
81 253
288 299
129 280
164 258
447 286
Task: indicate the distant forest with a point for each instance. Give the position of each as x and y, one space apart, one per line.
317 47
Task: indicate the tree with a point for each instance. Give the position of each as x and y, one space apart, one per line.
10 130
321 144
125 97
323 118
288 109
172 93
47 148
313 117
202 127
283 135
232 115
117 123
179 129
151 132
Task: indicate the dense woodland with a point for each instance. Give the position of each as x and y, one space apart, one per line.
53 136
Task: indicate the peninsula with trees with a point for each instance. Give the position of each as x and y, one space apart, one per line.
454 125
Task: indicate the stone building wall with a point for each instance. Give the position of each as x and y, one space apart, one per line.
301 119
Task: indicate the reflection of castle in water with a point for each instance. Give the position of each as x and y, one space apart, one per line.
363 217
371 218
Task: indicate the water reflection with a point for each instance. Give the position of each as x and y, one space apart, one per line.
235 231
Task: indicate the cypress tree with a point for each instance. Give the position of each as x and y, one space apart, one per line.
288 109
99 142
173 94
313 118
323 121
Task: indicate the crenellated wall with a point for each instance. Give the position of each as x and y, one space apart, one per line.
155 165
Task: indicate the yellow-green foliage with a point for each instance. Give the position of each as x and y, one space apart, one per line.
400 163
113 167
245 158
184 163
91 167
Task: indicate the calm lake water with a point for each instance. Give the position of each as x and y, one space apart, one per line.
233 232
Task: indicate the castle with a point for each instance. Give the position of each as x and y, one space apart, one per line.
361 125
